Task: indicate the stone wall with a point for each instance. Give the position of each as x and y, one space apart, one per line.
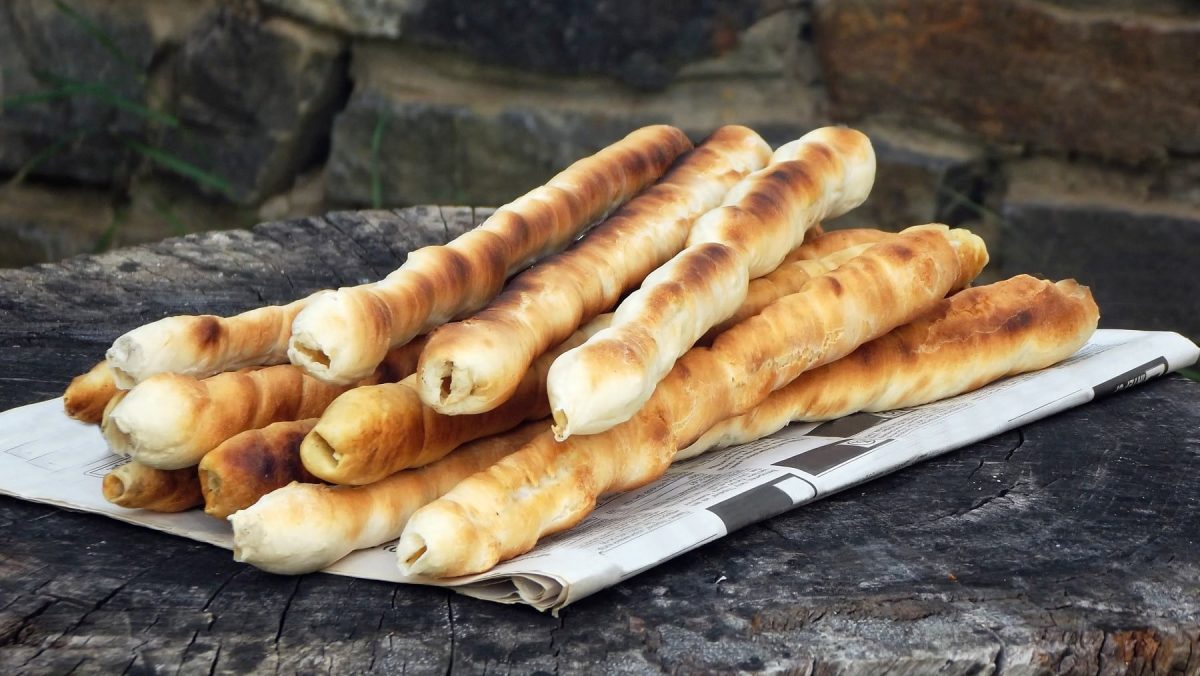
1067 131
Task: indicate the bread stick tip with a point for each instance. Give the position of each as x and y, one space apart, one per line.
112 487
152 420
123 350
409 551
318 455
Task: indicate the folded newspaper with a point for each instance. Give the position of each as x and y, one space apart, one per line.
47 457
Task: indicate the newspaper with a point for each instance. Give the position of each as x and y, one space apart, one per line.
47 457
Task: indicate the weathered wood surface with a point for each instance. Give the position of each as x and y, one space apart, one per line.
1067 546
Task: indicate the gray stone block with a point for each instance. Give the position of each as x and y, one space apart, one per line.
456 131
1117 84
255 99
1137 255
643 44
78 134
456 154
919 179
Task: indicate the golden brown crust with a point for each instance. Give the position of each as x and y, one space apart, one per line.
170 420
137 486
204 345
371 432
302 527
88 394
248 465
543 487
473 365
824 244
968 340
769 212
787 279
344 335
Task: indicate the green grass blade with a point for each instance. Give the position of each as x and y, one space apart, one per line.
22 100
376 171
66 88
182 167
1190 374
43 155
104 243
110 96
106 93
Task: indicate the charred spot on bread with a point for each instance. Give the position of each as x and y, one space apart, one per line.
207 330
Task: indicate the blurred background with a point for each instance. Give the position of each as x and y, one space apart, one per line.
1067 132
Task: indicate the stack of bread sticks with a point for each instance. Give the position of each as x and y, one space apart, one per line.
651 302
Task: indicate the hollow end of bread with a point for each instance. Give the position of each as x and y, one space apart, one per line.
320 457
449 388
210 487
437 383
561 425
303 352
409 552
113 488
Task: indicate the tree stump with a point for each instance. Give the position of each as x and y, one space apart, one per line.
1069 545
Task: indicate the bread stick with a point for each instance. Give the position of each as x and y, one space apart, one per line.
548 486
112 404
474 365
137 486
204 345
826 243
250 464
88 394
371 432
170 421
343 335
605 381
967 341
302 528
787 279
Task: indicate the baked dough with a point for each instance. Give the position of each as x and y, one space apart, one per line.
137 486
825 243
250 464
784 280
88 394
548 486
605 381
204 345
342 336
474 365
371 432
170 421
967 341
302 528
